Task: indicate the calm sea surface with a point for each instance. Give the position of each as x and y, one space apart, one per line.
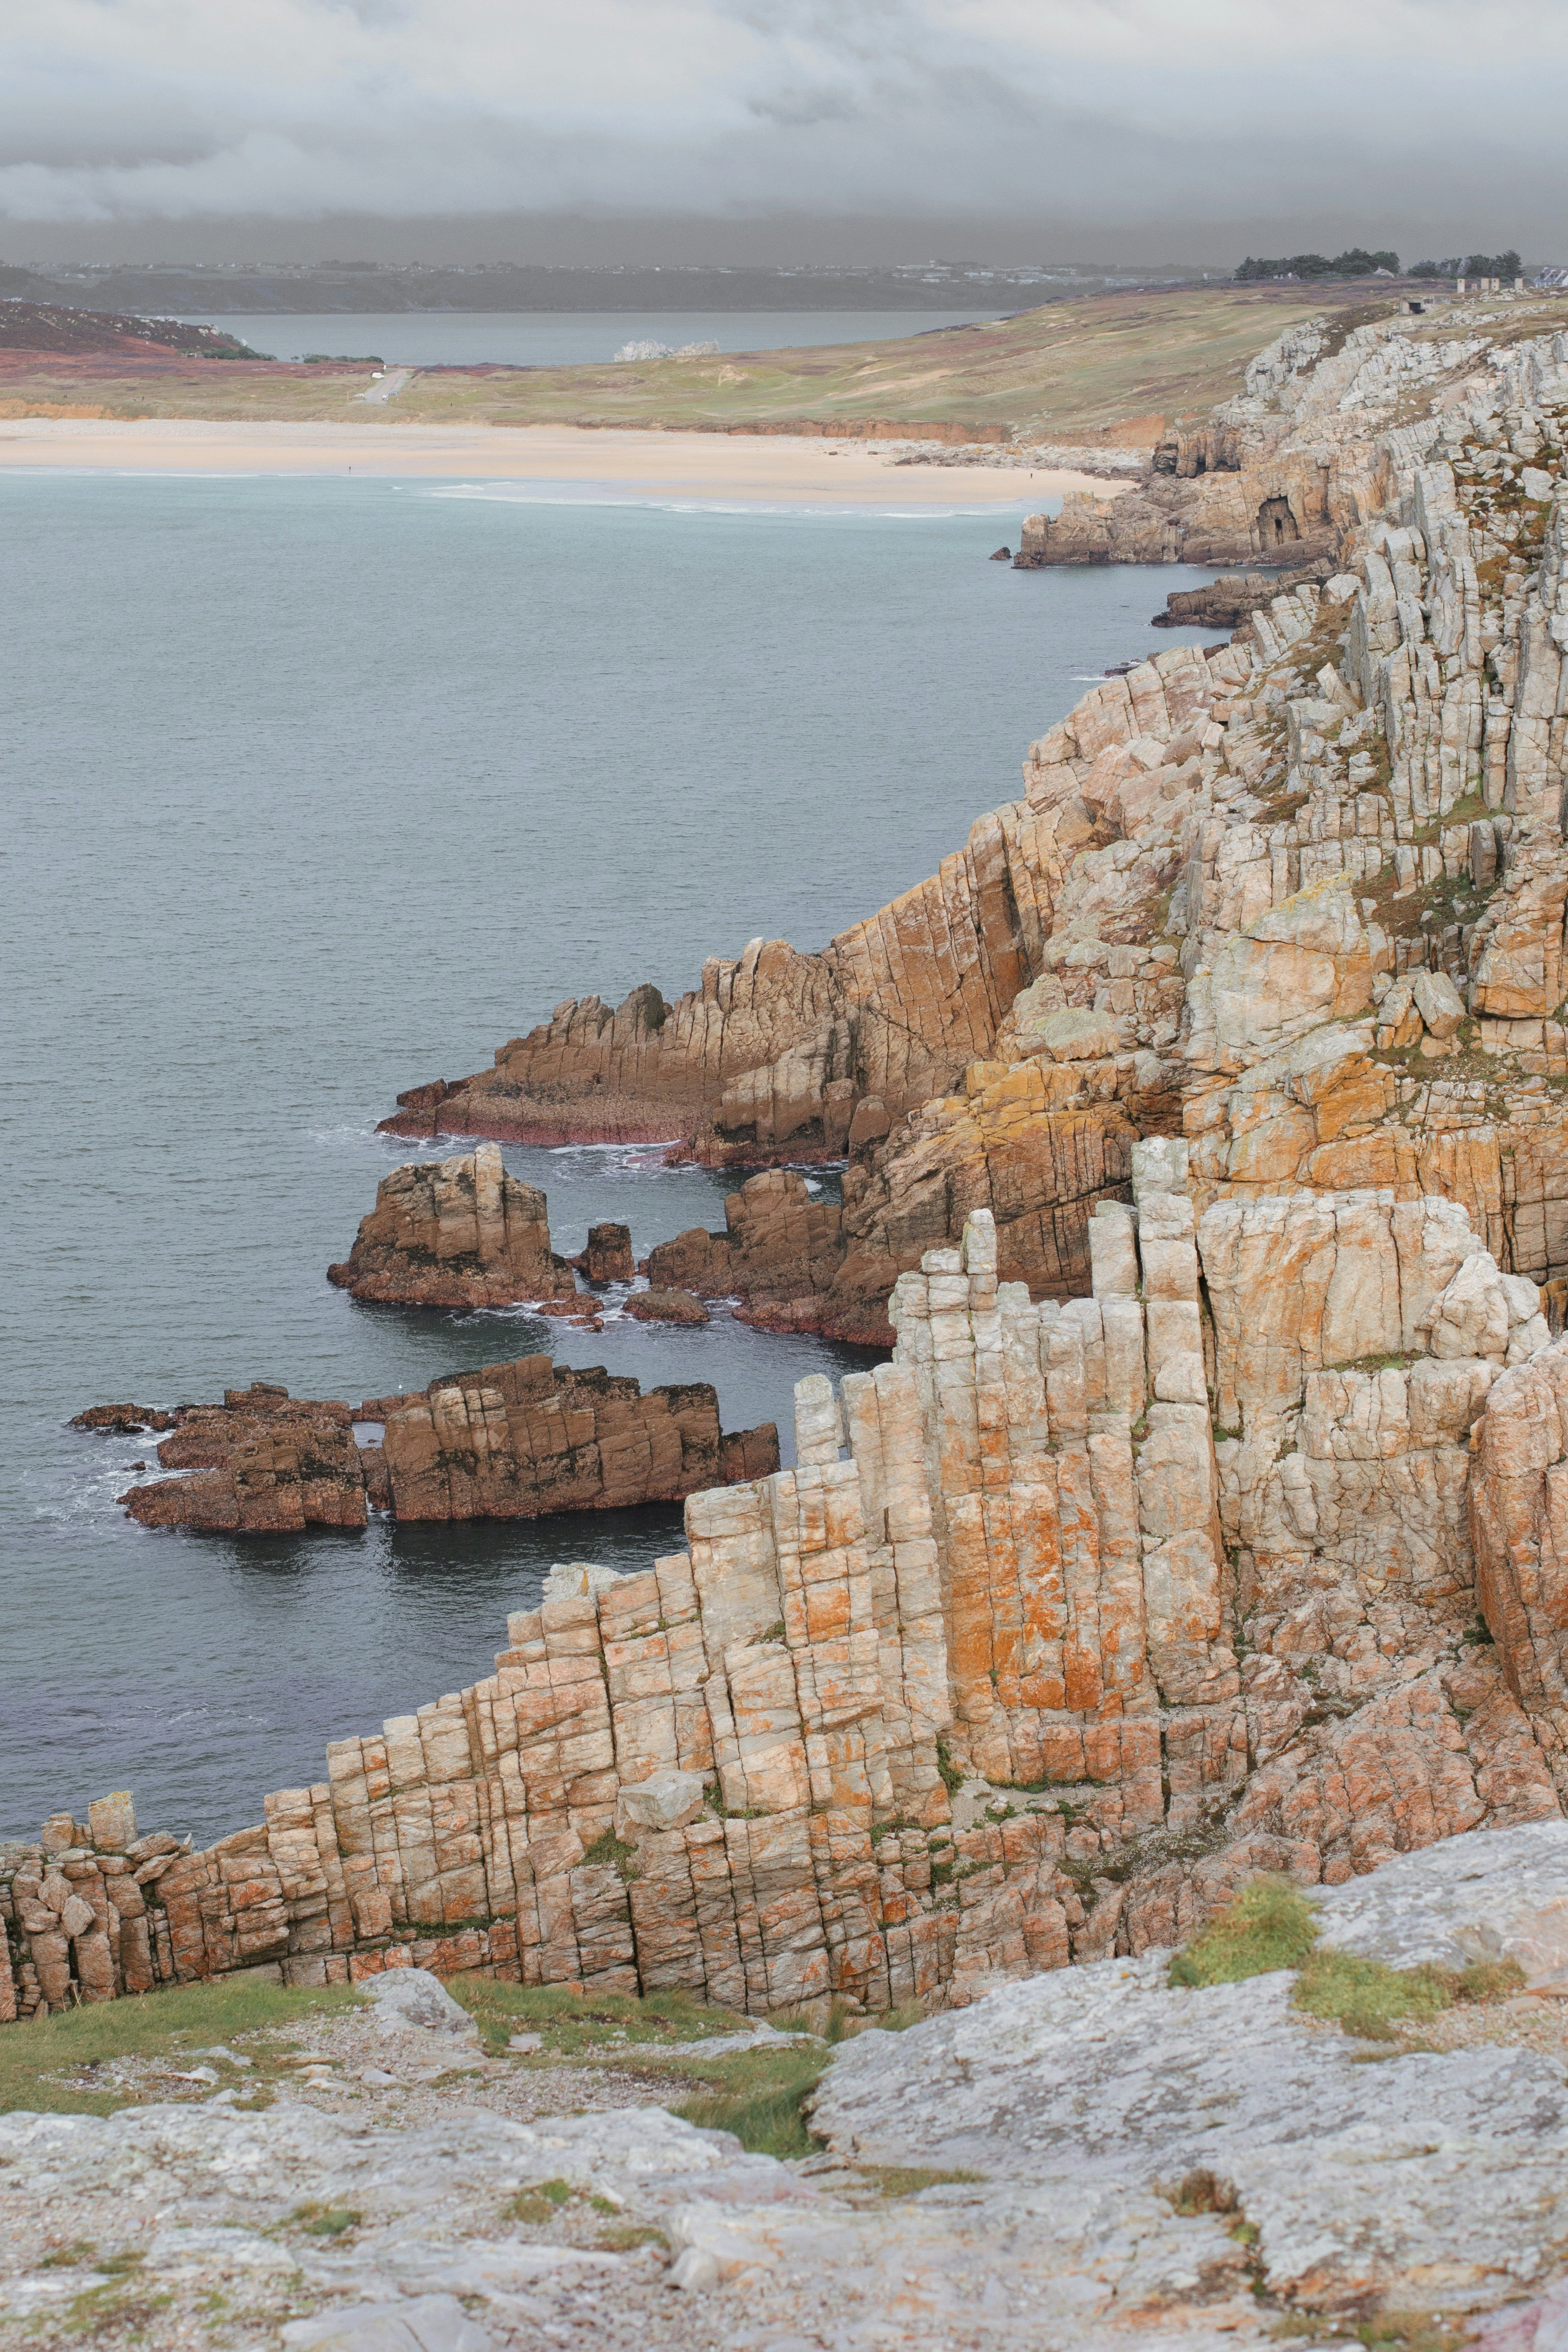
562 338
316 790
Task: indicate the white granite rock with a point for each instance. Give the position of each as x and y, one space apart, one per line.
413 1999
576 1580
664 1800
1432 2179
1495 1895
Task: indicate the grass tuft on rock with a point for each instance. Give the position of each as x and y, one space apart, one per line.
1269 1924
758 2094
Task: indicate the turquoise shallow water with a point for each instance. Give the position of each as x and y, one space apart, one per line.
320 789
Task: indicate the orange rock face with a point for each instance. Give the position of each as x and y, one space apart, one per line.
457 1233
1020 1619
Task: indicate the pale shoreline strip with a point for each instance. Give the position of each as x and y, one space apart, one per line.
748 468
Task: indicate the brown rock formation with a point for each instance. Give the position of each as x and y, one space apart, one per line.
780 1252
666 1306
1112 1604
609 1256
266 1463
456 1233
131 1418
512 1441
771 1057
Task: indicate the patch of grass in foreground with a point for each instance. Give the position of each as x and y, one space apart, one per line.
759 2095
586 2025
1271 1924
172 2024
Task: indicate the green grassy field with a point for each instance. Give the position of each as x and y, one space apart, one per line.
1112 367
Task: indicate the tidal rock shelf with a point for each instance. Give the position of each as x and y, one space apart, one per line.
510 1441
1069 1619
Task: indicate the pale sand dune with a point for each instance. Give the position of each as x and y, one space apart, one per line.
713 465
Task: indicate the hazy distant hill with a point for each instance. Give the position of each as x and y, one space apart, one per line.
343 288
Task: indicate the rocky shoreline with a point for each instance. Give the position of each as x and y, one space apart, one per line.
1361 786
1206 1130
513 1441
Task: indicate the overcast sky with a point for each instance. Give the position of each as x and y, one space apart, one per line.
571 129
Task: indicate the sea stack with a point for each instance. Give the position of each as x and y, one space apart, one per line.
456 1233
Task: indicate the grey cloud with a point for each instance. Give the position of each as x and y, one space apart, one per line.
791 109
1064 110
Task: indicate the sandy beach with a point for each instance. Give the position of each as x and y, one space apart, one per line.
712 466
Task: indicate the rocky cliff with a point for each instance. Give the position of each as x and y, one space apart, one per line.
1068 1619
1301 899
456 1232
1278 474
509 1441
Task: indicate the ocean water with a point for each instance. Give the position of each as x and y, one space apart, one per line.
563 338
319 789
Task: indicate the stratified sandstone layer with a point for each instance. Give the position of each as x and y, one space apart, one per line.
456 1233
509 1441
1067 1619
1244 896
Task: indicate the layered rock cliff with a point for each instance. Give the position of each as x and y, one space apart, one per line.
509 1441
1067 1619
1301 899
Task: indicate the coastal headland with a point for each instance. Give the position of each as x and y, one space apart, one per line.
1206 1127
